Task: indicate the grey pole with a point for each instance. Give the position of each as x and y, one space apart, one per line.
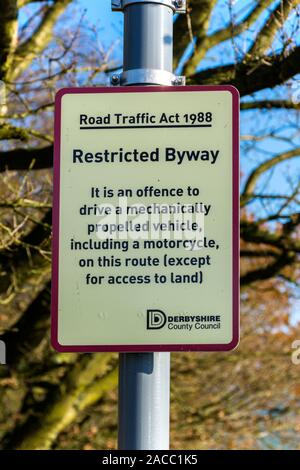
144 400
144 378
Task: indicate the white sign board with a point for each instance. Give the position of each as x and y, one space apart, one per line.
146 219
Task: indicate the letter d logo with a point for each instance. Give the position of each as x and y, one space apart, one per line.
156 319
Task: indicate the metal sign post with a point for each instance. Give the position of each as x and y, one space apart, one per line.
144 378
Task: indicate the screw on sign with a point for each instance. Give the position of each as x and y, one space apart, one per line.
115 79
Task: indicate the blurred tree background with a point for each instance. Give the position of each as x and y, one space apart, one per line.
246 399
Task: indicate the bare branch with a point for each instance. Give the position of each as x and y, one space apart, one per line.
9 132
199 15
270 104
203 44
265 166
8 35
251 77
252 232
85 384
258 253
269 271
22 159
270 28
234 30
22 3
40 38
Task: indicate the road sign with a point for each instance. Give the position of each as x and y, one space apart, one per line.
146 219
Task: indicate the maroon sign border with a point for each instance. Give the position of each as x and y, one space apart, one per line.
235 226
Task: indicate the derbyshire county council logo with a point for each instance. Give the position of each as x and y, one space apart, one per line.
156 319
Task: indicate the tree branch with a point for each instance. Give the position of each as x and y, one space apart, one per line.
203 44
84 385
251 232
29 330
200 13
250 77
8 35
40 38
251 182
22 3
25 259
271 270
22 159
270 28
262 253
9 132
269 104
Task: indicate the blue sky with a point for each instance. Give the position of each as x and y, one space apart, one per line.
99 12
